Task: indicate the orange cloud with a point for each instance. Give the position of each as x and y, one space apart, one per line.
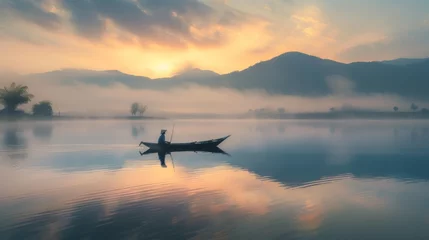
223 33
156 39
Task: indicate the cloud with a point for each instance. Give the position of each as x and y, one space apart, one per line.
85 18
340 85
173 23
166 23
404 44
156 37
309 21
33 12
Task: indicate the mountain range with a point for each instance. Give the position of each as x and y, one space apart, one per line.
291 73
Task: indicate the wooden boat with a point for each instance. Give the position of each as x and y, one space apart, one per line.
216 150
190 146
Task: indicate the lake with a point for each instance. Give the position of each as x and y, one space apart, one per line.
278 180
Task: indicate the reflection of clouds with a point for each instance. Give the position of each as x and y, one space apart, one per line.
311 215
217 194
239 188
197 199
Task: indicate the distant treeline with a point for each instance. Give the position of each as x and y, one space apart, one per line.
15 95
343 112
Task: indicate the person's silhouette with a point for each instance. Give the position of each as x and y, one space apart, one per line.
161 156
161 139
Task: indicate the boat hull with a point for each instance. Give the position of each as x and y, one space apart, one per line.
205 150
191 146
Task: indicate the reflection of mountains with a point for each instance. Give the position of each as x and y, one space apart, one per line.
297 169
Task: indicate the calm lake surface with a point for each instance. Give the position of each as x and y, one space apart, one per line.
281 180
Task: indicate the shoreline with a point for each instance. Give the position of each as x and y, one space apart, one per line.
62 118
298 116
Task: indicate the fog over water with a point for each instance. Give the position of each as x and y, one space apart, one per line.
87 99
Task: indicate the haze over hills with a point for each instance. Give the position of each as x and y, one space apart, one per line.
404 61
292 73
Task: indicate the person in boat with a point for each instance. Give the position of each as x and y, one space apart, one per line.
161 139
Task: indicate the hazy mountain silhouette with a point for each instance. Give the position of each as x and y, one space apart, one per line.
101 78
291 73
196 73
405 61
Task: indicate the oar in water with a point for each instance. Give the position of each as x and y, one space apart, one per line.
172 160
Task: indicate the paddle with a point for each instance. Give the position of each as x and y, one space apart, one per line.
172 132
171 139
172 160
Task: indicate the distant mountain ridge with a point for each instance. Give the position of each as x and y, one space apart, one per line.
291 73
405 61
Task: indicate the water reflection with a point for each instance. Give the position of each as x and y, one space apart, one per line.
43 131
14 144
84 160
137 130
162 154
301 169
283 180
175 216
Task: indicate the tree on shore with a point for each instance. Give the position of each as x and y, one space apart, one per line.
395 108
138 108
142 109
134 108
43 108
414 107
13 96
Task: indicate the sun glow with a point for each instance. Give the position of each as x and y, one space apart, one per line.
163 69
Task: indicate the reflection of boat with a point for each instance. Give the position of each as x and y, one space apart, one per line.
191 146
162 153
206 150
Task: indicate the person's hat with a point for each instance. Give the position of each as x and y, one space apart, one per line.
163 131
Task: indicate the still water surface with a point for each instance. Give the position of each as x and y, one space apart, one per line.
281 180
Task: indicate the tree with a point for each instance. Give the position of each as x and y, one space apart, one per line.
43 108
395 108
332 109
414 107
138 108
13 96
134 108
142 109
281 110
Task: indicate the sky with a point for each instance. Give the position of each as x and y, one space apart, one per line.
158 38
